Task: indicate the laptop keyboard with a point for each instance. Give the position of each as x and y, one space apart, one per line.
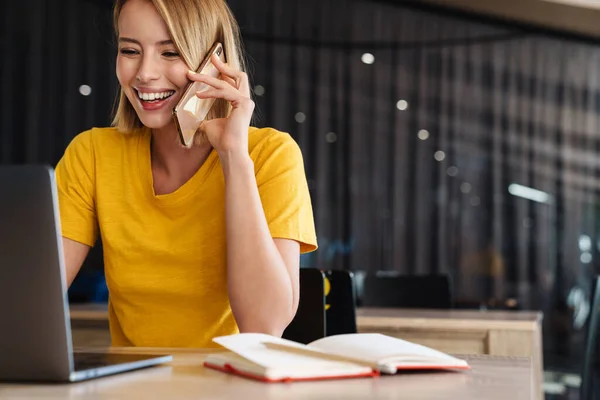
84 361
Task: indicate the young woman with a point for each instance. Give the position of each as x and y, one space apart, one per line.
197 242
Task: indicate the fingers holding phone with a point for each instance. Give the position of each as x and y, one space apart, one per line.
237 79
192 110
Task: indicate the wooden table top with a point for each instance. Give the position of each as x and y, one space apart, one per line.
491 377
398 317
489 315
449 319
89 311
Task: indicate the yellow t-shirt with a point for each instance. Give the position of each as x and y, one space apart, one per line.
164 255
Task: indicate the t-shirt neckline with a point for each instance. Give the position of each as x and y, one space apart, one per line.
185 191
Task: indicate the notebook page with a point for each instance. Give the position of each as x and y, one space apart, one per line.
378 348
250 346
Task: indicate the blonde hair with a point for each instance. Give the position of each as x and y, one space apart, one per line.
194 26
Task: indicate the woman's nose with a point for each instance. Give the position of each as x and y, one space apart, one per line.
148 71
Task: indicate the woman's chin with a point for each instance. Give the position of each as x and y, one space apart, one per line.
156 121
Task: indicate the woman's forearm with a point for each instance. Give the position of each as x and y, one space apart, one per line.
259 284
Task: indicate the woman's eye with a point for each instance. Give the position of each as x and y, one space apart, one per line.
128 52
171 54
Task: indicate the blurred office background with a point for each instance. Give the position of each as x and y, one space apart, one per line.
435 140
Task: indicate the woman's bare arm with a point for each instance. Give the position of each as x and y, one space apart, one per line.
75 253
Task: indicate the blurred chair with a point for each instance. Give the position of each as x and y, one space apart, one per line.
309 322
407 291
590 374
340 302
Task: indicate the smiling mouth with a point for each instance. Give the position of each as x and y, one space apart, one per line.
154 97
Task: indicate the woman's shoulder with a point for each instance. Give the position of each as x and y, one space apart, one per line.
100 135
269 140
273 148
97 138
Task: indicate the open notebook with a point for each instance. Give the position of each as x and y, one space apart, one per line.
272 359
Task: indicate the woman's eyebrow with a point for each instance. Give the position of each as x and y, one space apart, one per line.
130 40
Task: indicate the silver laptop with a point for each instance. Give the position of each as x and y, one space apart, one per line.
35 330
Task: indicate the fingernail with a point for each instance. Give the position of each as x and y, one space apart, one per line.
192 72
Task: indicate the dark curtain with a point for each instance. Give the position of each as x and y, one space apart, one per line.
427 187
465 147
420 162
50 53
56 79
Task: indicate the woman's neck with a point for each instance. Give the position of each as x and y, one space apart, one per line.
173 164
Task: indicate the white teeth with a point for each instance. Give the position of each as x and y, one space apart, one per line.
154 96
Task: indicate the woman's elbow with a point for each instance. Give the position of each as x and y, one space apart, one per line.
269 324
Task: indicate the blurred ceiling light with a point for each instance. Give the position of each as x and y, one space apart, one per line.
585 243
368 58
452 170
528 193
402 105
85 90
330 137
586 257
259 90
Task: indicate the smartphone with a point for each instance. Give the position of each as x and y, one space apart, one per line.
190 111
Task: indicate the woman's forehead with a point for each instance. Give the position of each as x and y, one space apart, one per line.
140 20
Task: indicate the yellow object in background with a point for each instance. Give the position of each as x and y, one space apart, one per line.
327 290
